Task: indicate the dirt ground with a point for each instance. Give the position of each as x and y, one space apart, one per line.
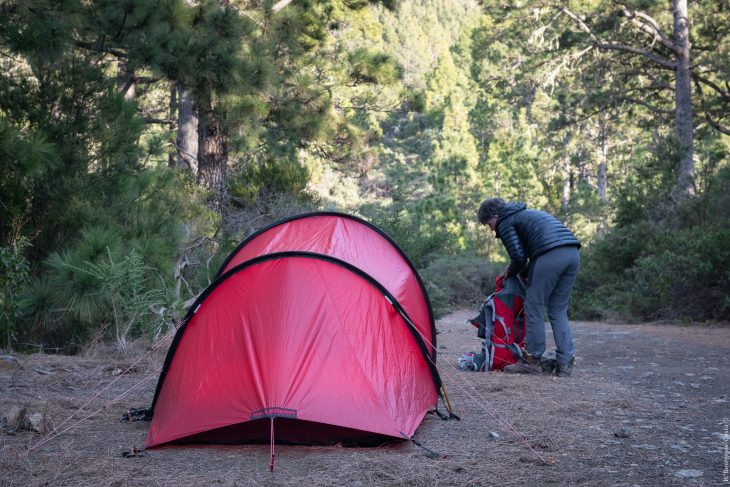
646 405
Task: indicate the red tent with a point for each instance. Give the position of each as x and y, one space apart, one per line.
319 321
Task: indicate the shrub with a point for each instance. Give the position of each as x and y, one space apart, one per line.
253 179
669 264
685 277
122 299
93 285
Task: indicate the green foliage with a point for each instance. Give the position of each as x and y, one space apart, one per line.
670 264
586 213
256 178
678 275
374 67
76 180
648 187
14 273
40 316
111 292
25 159
686 276
91 286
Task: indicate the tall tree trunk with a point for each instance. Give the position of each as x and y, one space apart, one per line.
126 81
683 98
571 181
212 152
602 159
601 173
172 113
213 142
565 199
583 156
531 123
187 131
566 175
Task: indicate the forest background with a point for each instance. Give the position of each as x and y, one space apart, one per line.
141 140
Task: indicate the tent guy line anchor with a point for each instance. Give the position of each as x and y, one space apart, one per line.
429 453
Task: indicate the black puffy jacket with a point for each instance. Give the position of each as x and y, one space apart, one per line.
529 234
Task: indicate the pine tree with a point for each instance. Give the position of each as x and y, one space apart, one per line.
648 53
73 159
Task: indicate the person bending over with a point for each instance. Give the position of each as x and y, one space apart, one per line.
546 252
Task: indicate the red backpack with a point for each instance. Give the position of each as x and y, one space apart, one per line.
501 322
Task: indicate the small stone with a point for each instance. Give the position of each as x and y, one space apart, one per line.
689 473
622 432
8 362
13 417
494 435
37 423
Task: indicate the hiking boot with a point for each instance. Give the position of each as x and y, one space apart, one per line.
527 365
548 365
564 370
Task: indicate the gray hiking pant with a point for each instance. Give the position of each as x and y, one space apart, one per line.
551 278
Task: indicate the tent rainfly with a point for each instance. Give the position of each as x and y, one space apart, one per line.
318 324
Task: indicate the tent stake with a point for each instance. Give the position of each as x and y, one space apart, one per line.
273 454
